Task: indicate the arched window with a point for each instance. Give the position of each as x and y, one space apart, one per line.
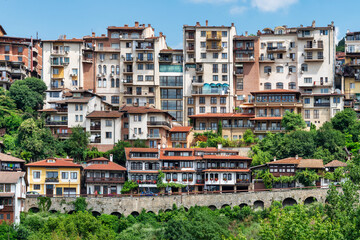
104 69
304 67
292 69
292 85
117 83
112 69
279 85
279 69
267 85
99 82
104 82
99 68
117 70
267 69
112 83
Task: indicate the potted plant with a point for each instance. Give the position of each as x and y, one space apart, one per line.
224 179
216 179
206 179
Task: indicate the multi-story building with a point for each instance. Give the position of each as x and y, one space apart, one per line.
208 69
246 68
103 176
12 196
171 82
10 163
19 58
54 176
180 136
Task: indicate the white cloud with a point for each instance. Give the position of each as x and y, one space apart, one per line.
272 5
236 10
337 35
212 1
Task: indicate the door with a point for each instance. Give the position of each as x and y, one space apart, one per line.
58 191
105 188
49 190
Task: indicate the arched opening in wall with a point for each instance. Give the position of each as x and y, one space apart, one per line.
168 210
289 202
225 205
95 213
117 214
34 210
135 214
310 200
71 212
151 212
242 205
258 204
186 209
53 211
212 207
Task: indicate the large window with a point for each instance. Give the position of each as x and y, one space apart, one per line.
171 81
267 85
267 69
171 93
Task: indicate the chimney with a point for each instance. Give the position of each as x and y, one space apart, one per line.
93 34
219 146
301 25
149 25
274 158
136 24
161 34
207 22
313 24
246 33
198 24
111 158
64 36
125 25
347 31
332 23
232 24
296 156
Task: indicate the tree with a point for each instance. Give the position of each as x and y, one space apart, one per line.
343 120
118 152
219 130
77 144
249 137
340 47
292 121
28 93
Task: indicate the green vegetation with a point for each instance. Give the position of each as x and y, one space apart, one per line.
129 186
340 47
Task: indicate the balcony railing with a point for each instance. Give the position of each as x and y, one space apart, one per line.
314 58
96 140
178 139
144 59
171 168
216 91
61 109
212 48
153 135
165 59
52 179
198 81
97 127
200 181
265 59
57 123
190 48
238 126
269 128
245 59
205 128
314 46
159 123
105 179
327 104
145 181
151 47
275 49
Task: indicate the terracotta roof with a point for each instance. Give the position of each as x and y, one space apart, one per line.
65 40
7 194
132 149
311 163
179 170
68 94
336 163
78 100
222 115
323 94
178 149
227 170
47 110
237 37
141 109
290 160
9 158
110 166
230 157
105 114
57 163
171 50
143 171
100 159
178 158
266 118
11 177
276 91
142 159
180 129
126 28
2 30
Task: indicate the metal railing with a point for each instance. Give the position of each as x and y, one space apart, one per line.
57 123
159 123
105 179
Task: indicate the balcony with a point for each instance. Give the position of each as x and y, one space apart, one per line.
214 48
165 59
17 71
313 47
266 60
61 109
51 179
199 70
96 127
209 92
276 49
128 59
190 49
304 36
159 123
127 81
6 208
242 181
197 82
145 48
244 59
128 93
96 140
205 128
213 37
178 139
190 37
87 60
63 135
144 59
266 129
107 49
314 59
326 104
244 48
5 68
171 168
128 71
238 126
200 181
239 74
105 180
56 123
57 52
154 136
146 181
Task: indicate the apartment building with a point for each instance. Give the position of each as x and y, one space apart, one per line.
180 136
19 58
171 82
246 68
12 196
54 176
197 168
208 69
103 176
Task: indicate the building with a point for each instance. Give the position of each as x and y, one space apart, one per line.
10 163
12 196
103 176
54 176
19 58
180 136
208 69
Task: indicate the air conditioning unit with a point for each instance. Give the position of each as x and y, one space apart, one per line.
134 135
301 71
268 73
66 52
101 60
99 75
111 57
146 93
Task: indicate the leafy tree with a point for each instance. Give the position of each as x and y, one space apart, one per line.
77 144
307 177
292 121
139 144
129 186
118 152
80 204
343 120
340 47
44 203
219 130
249 137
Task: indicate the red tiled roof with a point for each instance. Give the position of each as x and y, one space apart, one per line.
141 109
174 170
57 163
8 158
311 163
144 171
126 28
178 158
132 149
290 160
110 166
100 159
180 129
47 110
105 114
65 40
237 37
222 115
266 118
143 159
336 163
276 91
232 157
178 149
227 170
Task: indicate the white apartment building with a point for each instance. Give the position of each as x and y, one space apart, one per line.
208 69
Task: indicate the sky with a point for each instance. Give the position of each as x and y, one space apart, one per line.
77 18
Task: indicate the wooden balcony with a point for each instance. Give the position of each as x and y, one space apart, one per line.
104 180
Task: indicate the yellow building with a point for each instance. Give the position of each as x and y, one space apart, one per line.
54 176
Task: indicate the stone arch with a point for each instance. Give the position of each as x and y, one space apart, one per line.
150 212
34 210
71 212
310 200
289 202
168 210
96 213
243 205
225 205
135 214
212 207
53 211
258 204
186 209
117 214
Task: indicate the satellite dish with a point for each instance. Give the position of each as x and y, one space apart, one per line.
338 91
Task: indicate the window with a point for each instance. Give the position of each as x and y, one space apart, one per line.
149 78
352 85
115 35
202 109
104 82
115 45
222 109
224 68
36 186
267 85
224 33
279 56
316 114
215 68
76 118
20 59
190 100
140 78
73 175
149 66
203 44
213 100
324 32
336 100
240 84
215 55
292 44
307 100
224 78
20 49
267 69
36 175
108 134
215 78
223 100
140 66
65 175
292 69
115 99
203 34
202 100
108 123
190 111
279 69
104 69
81 118
213 109
292 85
307 114
102 58
308 80
279 85
224 55
203 55
304 67
224 45
292 56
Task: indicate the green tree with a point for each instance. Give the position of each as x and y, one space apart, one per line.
340 47
292 121
343 120
249 137
219 130
77 144
118 152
